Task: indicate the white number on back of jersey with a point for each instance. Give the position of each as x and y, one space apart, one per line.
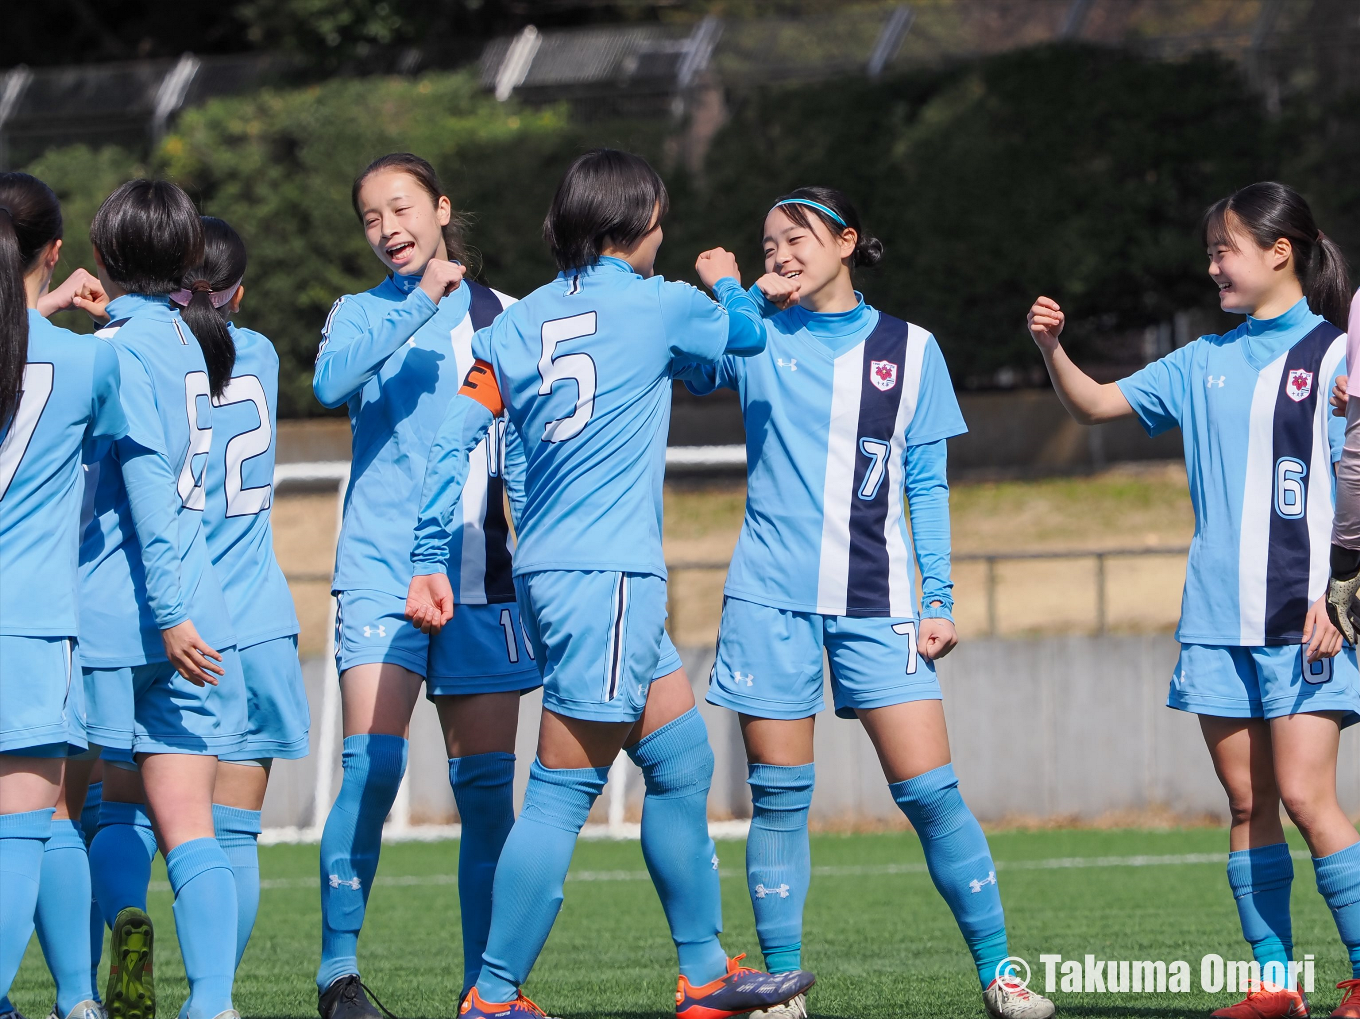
190 485
242 501
578 368
33 397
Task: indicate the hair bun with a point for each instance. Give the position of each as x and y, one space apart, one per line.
868 252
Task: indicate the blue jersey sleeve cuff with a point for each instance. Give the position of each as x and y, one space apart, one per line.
941 611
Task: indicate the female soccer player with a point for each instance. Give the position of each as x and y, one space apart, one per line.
585 365
1259 658
58 404
239 488
847 412
162 681
396 355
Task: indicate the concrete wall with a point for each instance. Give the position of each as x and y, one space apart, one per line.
1065 727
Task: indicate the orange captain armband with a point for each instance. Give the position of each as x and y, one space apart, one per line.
480 384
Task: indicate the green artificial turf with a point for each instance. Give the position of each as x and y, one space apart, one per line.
878 936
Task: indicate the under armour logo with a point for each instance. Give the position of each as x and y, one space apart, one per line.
791 364
990 879
1211 381
782 891
379 630
748 679
715 861
351 883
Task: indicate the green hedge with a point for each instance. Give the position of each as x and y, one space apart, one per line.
1072 170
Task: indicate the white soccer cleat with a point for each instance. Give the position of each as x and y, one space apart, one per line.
13 1013
87 1009
794 1008
1013 1000
230 1013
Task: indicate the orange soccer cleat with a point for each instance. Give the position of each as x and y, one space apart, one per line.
740 990
1267 1003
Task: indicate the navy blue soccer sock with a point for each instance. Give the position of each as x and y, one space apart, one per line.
528 889
237 830
959 861
205 920
779 860
120 857
1338 880
483 788
63 916
350 844
22 837
677 768
1261 879
89 827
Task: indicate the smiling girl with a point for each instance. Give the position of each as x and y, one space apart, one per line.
1259 658
847 412
395 356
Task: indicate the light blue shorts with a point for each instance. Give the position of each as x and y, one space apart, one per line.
152 709
277 717
597 638
1264 682
41 710
470 655
769 662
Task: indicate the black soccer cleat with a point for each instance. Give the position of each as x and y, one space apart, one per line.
347 998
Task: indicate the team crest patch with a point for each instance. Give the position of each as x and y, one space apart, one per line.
883 374
1300 385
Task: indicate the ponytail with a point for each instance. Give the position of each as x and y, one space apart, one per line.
1268 211
206 291
838 214
30 219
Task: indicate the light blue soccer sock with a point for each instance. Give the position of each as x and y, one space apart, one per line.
21 854
778 859
120 857
959 861
677 768
89 827
205 920
237 830
1338 879
63 916
483 788
350 843
527 893
1261 879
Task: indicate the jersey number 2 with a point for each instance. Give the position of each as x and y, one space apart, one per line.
578 368
37 389
242 501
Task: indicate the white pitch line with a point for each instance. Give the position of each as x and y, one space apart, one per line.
860 870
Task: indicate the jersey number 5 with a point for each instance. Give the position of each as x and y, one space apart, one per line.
37 389
578 368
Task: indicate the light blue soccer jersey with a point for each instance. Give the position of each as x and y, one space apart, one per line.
68 411
585 365
144 571
1260 442
397 359
832 407
240 487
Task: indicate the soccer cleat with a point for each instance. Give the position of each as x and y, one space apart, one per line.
131 991
794 1008
1267 1003
1010 999
1350 1001
742 990
86 1009
347 998
230 1013
473 1007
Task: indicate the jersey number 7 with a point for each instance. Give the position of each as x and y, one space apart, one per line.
37 389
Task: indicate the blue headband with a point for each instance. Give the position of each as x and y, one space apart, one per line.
815 205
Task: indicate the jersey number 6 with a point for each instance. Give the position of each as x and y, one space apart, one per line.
578 368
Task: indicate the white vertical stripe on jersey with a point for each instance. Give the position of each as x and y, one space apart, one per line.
1321 498
901 569
833 573
1258 500
472 567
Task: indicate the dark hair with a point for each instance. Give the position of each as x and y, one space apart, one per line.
30 219
1269 211
148 234
224 264
605 195
424 175
868 250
